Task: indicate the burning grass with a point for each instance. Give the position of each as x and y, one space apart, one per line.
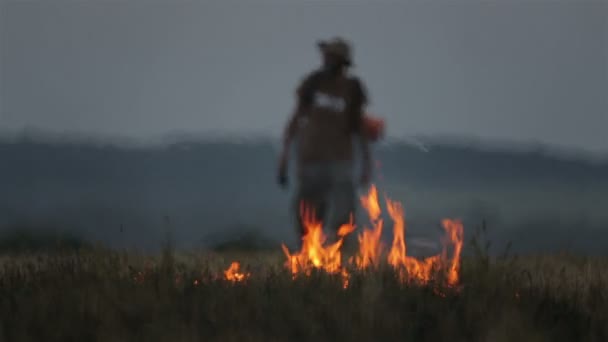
316 254
101 295
316 293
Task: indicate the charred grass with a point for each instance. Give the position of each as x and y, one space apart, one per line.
95 294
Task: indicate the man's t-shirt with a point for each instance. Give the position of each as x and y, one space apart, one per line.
331 113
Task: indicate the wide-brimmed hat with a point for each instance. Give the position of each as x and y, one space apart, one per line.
338 47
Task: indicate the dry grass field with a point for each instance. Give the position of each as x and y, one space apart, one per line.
97 294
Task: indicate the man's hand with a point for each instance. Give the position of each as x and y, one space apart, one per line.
282 171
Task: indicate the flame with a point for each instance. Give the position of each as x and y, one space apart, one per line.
371 204
315 254
454 235
370 246
345 278
398 252
233 273
409 268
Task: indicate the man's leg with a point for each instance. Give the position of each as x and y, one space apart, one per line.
310 195
342 201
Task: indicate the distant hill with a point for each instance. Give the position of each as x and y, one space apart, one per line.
437 163
199 187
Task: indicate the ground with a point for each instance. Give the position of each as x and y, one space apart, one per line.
96 294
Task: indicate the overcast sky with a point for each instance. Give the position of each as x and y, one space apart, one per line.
516 70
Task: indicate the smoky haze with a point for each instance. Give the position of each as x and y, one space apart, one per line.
208 191
509 70
460 84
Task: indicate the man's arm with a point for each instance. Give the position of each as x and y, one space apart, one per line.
288 135
303 100
361 101
291 128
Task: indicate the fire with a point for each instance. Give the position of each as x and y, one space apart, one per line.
371 204
315 253
233 273
409 268
406 267
397 252
370 245
454 236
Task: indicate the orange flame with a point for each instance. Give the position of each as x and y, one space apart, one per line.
370 245
233 273
371 204
314 252
409 268
455 232
398 251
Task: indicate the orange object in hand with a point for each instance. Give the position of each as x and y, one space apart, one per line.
373 128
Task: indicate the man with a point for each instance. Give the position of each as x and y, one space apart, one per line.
328 116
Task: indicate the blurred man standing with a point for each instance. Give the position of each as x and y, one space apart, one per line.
328 118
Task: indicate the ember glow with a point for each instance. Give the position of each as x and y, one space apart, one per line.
233 273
